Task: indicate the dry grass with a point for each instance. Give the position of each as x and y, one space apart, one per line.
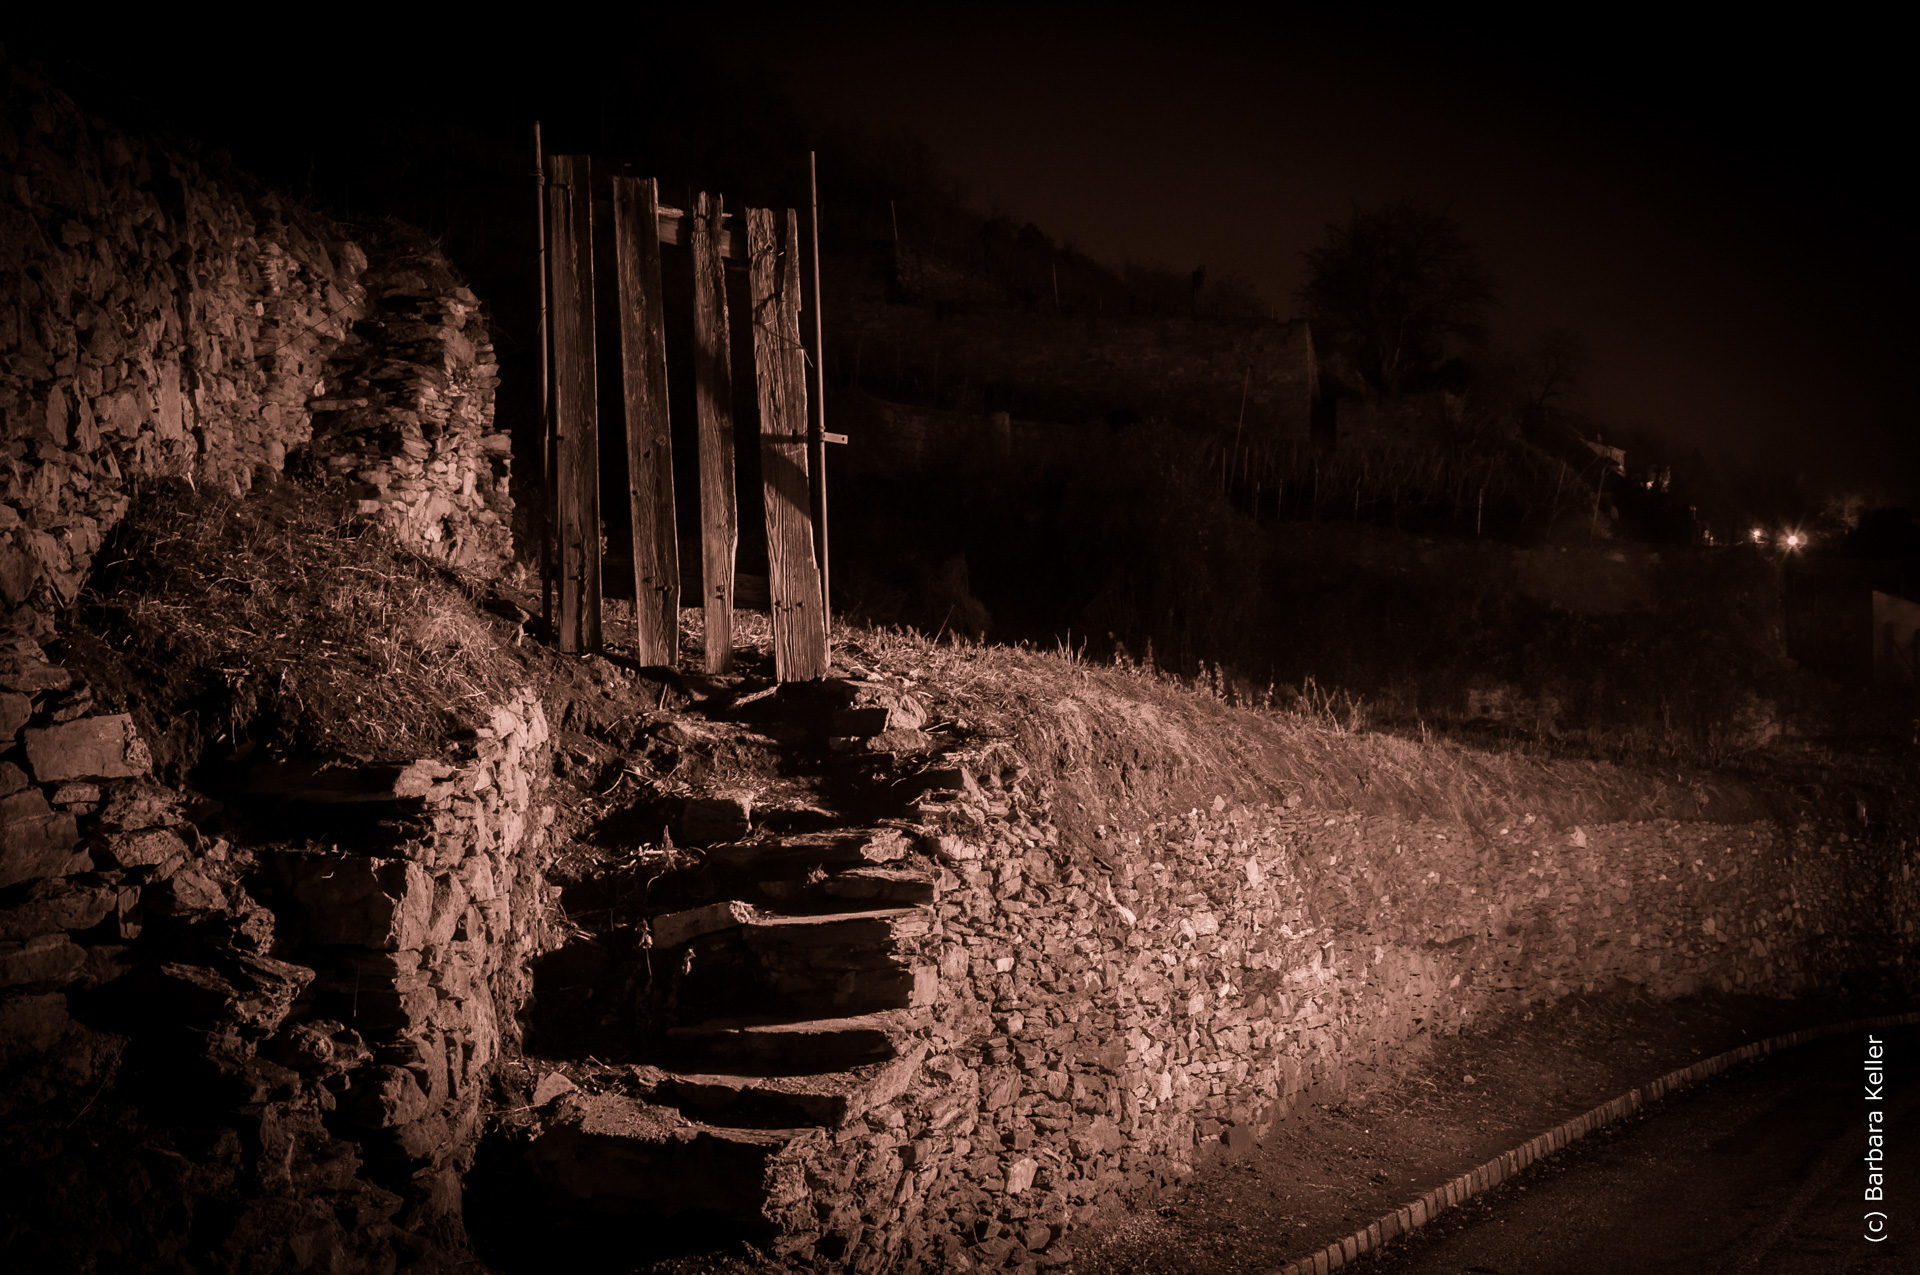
302 628
1206 736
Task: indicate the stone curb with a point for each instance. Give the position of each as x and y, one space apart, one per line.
1474 1182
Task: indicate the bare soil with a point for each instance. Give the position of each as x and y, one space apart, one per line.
1331 1167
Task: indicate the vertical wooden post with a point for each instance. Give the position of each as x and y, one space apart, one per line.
799 637
575 399
548 514
817 428
643 356
713 405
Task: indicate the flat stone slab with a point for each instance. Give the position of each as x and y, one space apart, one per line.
706 821
901 887
792 855
330 783
87 748
844 987
674 928
613 1155
831 1098
874 928
765 1046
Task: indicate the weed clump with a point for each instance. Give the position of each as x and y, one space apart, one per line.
277 620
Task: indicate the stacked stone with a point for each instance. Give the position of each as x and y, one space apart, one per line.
343 1018
57 760
159 320
105 883
421 946
408 416
155 320
1118 1000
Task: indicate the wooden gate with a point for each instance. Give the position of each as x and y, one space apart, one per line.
791 444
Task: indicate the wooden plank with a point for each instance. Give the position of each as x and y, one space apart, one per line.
643 355
575 398
713 406
799 629
547 462
749 590
817 445
676 229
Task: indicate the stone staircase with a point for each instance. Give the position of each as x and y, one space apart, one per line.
775 1000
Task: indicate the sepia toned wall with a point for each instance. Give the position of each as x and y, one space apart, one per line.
1134 976
162 316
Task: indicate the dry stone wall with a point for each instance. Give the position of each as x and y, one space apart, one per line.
161 317
321 1007
1129 983
155 321
407 414
419 936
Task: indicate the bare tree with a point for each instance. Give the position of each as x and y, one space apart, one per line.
1394 288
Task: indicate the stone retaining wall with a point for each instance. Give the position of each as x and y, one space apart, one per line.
161 316
321 998
155 320
1126 988
407 416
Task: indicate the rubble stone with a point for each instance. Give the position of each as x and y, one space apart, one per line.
47 906
51 960
386 1096
706 821
247 990
671 929
146 848
35 839
87 748
30 1024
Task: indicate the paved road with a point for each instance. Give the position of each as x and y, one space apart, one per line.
1759 1170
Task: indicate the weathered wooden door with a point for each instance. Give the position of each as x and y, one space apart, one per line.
799 624
643 351
575 406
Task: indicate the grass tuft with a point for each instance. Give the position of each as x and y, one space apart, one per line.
278 620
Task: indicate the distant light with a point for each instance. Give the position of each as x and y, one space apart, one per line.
1793 540
1758 535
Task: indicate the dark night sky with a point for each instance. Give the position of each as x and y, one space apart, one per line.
1713 209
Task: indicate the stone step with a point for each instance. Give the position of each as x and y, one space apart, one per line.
884 887
821 991
843 962
611 1155
770 1047
811 965
867 928
831 1098
798 855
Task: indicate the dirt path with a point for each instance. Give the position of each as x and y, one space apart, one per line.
1758 1169
1331 1168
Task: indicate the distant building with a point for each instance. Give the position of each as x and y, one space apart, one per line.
1840 624
1896 640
